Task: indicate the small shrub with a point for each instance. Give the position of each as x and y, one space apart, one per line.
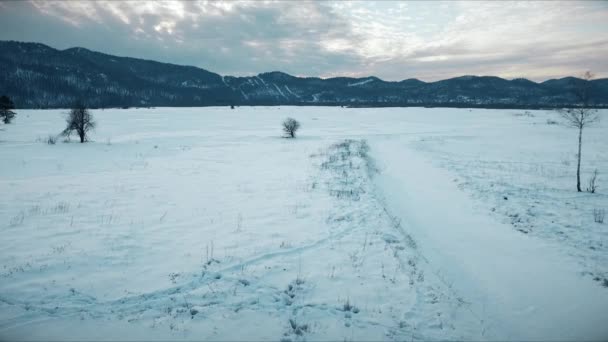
349 307
6 109
592 182
598 215
290 127
296 328
551 122
51 140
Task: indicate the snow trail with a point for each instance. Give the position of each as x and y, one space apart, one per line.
521 287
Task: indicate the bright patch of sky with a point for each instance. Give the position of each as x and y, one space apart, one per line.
389 39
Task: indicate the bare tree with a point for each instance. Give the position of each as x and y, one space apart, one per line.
290 126
80 120
580 116
6 109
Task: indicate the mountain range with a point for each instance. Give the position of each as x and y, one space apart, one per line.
35 75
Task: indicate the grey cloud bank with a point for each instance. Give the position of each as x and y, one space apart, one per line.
391 40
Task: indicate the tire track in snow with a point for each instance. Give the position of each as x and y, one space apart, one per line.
67 306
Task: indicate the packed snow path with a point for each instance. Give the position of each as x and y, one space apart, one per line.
522 288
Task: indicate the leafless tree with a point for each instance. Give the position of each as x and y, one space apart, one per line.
290 126
80 120
6 109
580 116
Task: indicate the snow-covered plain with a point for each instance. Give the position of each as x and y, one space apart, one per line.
374 224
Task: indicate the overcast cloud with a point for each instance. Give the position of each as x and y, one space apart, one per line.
389 39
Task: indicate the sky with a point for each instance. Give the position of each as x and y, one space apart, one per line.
392 40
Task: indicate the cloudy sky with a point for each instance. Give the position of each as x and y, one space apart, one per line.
389 39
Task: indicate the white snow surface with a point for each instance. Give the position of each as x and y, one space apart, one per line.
361 82
291 92
373 224
280 91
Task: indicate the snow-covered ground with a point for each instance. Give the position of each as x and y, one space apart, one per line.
374 224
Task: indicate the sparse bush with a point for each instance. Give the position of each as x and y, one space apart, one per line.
592 182
349 307
551 122
347 161
290 127
80 120
51 139
6 109
598 215
296 328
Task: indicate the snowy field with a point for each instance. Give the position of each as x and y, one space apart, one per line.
374 224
